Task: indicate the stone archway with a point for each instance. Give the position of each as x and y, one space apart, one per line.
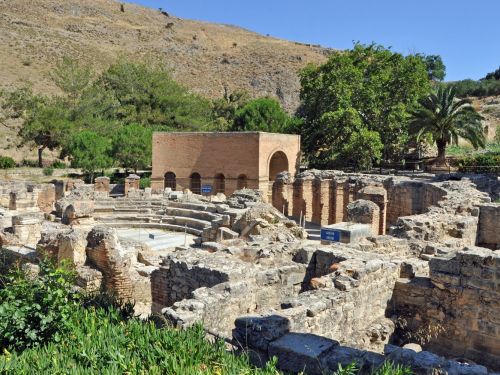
277 164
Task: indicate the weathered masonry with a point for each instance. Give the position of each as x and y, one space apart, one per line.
222 162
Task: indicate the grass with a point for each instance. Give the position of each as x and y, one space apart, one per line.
467 150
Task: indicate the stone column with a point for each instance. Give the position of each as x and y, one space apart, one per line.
131 183
308 198
378 195
338 202
101 185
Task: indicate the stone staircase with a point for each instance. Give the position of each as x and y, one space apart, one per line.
198 219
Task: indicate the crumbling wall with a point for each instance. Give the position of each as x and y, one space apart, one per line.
462 298
489 226
118 266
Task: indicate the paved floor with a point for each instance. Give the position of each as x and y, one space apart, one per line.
156 239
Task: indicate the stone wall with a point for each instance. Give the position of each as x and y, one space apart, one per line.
489 226
270 336
462 297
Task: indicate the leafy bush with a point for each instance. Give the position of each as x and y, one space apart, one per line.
29 163
145 182
100 342
57 164
7 162
48 171
480 162
35 310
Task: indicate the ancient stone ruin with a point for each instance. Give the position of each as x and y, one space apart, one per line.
419 284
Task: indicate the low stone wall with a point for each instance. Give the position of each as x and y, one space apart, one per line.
462 299
270 336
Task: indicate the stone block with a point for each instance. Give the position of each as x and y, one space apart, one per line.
256 332
298 352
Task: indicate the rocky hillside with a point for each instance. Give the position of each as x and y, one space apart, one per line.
208 58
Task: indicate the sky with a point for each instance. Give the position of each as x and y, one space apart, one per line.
465 33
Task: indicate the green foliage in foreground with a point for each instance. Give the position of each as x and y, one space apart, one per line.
47 328
101 343
34 310
387 368
7 162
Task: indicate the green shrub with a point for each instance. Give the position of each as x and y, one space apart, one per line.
100 342
497 135
57 164
485 162
7 162
35 310
29 163
48 171
145 182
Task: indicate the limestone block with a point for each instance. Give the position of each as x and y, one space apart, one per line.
364 212
257 332
27 227
224 233
102 184
77 210
72 247
298 352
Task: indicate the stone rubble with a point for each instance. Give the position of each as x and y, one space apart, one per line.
422 289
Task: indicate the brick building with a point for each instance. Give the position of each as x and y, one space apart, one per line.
222 162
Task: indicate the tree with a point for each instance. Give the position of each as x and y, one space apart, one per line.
263 114
493 75
45 125
435 67
362 149
225 108
368 87
147 95
132 146
90 152
72 77
442 119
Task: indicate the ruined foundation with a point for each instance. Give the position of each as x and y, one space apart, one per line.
425 274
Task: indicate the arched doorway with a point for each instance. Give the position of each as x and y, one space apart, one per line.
220 183
242 182
278 164
195 183
170 180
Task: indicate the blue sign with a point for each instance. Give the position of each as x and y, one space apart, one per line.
332 235
206 189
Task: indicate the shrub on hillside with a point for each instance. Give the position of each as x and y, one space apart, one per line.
57 164
48 171
29 163
7 162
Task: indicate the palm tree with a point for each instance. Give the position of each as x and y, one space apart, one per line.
442 119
